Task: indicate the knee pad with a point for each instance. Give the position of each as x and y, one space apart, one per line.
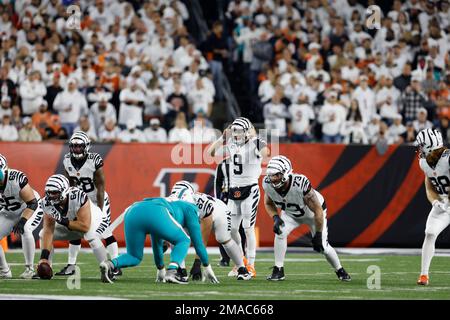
75 242
430 235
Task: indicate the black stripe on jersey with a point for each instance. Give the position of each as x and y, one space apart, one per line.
260 144
81 197
98 161
23 180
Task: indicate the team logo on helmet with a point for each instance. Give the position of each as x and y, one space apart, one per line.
3 167
240 130
79 145
427 141
56 189
279 166
183 190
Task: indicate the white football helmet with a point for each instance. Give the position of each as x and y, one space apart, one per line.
428 140
240 130
56 189
276 165
183 190
3 167
79 145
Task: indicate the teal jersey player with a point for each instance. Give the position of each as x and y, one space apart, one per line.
164 219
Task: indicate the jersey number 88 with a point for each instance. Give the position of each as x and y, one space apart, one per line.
86 184
441 184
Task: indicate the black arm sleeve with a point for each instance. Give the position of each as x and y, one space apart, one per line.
218 182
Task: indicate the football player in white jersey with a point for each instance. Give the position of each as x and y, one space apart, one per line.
246 153
69 214
214 215
84 169
299 204
434 161
21 212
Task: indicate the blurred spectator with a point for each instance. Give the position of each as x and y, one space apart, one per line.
155 133
31 91
389 110
16 117
200 132
444 127
180 132
8 132
410 134
29 133
332 115
275 114
412 99
7 86
102 111
353 129
53 89
70 104
366 99
397 130
5 106
109 132
131 104
47 123
200 98
382 136
131 133
421 121
373 128
302 115
402 81
85 126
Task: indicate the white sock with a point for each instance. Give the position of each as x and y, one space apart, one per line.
427 252
234 252
113 250
98 249
251 244
280 247
333 258
235 235
73 253
3 264
183 264
29 248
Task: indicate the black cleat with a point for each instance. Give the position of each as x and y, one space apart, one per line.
68 270
243 274
343 275
183 273
174 276
277 274
117 272
224 263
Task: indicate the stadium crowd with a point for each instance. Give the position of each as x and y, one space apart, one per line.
133 73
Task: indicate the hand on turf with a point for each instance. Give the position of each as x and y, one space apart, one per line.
160 275
209 274
43 261
196 270
317 242
277 224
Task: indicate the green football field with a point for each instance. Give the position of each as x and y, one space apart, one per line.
308 276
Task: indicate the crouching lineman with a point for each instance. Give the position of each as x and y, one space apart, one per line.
84 169
69 215
21 212
299 204
163 219
434 161
215 215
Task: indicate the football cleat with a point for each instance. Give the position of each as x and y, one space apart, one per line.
184 274
343 275
251 269
68 270
174 276
423 280
224 263
6 274
28 273
233 272
117 272
243 274
106 270
277 274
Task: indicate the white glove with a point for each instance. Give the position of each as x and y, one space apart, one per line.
441 205
160 275
208 273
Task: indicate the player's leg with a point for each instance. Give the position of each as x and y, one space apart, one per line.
249 208
93 236
437 221
6 226
110 240
236 219
280 247
329 252
28 242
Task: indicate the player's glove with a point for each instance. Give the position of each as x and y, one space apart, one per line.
441 205
160 275
209 274
19 228
196 270
317 242
63 221
277 224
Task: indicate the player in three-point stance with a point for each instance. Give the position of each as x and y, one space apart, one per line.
84 169
299 204
246 153
69 214
434 160
21 212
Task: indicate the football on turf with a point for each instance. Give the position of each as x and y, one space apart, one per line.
45 271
